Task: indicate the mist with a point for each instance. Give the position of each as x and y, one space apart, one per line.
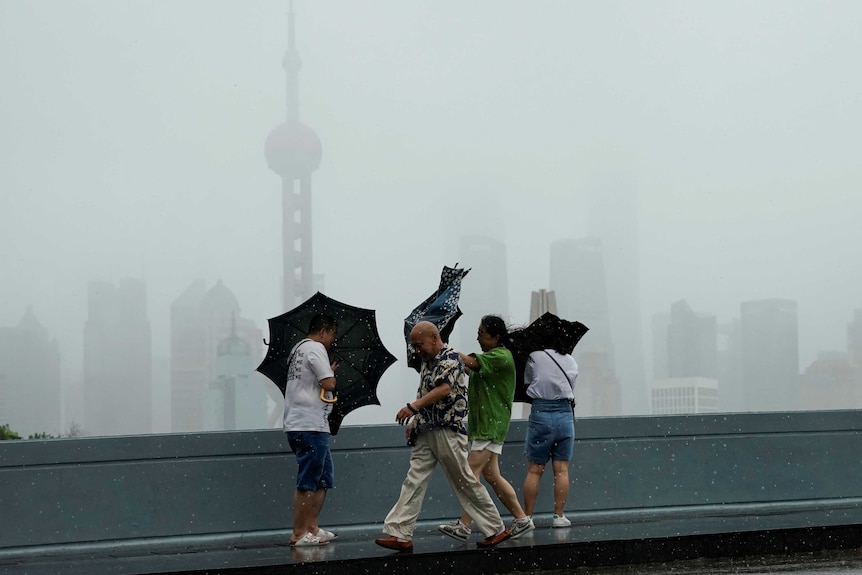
131 145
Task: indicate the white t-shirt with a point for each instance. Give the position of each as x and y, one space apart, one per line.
303 408
544 378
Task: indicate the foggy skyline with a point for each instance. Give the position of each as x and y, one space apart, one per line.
132 146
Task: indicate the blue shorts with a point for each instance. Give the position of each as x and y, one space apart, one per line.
551 432
313 460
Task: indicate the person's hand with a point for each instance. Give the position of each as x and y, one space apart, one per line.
403 416
333 366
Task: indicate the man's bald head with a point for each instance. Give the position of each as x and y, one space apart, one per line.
425 327
425 338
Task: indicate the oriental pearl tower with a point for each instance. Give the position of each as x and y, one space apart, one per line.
293 151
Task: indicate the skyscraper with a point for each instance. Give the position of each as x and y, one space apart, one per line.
578 280
613 218
731 397
597 390
235 398
660 325
117 359
200 321
293 151
770 355
29 378
854 339
677 395
689 382
831 382
486 289
542 302
691 342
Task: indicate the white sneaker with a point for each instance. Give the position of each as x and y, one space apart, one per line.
455 530
521 526
561 521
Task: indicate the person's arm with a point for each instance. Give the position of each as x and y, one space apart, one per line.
530 376
470 361
319 363
328 383
433 396
405 413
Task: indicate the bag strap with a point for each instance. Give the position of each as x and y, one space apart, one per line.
323 397
563 370
295 349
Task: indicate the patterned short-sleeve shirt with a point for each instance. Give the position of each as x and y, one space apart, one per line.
449 412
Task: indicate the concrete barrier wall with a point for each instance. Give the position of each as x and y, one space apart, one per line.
713 472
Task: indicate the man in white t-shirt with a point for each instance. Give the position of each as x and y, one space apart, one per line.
310 383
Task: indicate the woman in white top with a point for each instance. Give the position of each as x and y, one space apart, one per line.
550 377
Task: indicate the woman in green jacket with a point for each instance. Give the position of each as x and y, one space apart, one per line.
490 395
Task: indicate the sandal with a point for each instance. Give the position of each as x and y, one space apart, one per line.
324 534
309 540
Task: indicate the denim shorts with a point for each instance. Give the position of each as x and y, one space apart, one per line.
551 432
313 460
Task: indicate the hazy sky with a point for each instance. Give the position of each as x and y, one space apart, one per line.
131 144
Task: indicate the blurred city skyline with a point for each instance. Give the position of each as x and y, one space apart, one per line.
133 147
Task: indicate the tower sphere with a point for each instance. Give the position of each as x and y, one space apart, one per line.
293 149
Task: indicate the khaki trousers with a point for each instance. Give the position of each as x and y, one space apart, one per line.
449 449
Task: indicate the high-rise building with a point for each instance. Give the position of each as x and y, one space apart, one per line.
542 302
577 279
678 395
117 359
660 325
613 219
29 378
597 390
188 359
293 151
731 397
686 378
200 320
854 339
692 343
235 398
770 355
486 289
831 382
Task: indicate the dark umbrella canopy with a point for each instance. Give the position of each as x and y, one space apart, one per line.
362 358
440 308
544 333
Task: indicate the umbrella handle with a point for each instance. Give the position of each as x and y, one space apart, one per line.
325 399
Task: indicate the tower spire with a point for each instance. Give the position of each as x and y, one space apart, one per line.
293 151
291 64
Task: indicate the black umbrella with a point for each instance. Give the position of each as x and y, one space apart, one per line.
440 308
544 333
362 358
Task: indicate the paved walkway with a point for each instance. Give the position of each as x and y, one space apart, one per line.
434 554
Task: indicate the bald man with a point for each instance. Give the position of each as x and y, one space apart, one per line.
437 418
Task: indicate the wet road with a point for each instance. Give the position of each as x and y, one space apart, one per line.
844 562
545 551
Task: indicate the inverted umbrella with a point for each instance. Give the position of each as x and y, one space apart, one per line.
440 308
362 358
544 333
